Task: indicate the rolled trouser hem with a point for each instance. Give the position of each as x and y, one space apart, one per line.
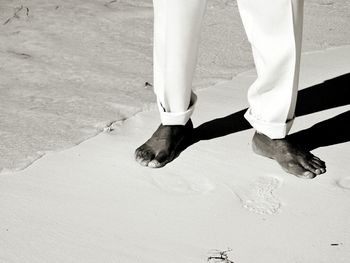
273 130
177 118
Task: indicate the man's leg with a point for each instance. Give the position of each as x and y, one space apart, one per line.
274 29
177 25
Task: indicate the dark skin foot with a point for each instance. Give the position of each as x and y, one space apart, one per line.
290 157
164 145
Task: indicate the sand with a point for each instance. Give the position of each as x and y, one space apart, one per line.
68 69
94 203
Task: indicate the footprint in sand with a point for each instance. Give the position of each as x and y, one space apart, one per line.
259 198
181 185
344 183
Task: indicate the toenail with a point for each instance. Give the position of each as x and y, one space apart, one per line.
309 175
144 163
153 164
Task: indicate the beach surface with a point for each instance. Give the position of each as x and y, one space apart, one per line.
217 202
69 69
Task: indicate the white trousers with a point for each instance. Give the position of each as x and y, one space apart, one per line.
274 30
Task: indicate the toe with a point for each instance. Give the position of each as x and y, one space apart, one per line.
321 170
318 166
308 175
315 157
318 169
162 156
305 172
308 166
159 160
144 155
154 164
139 151
319 162
298 170
147 156
318 159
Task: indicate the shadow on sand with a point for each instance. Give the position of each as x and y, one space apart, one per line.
329 94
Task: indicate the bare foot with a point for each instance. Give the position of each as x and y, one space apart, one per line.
290 157
163 146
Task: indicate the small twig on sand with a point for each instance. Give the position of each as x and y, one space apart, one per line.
148 85
220 256
15 14
20 54
110 2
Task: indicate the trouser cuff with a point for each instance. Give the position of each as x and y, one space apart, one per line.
273 130
177 118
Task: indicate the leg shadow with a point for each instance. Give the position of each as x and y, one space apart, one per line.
325 133
329 94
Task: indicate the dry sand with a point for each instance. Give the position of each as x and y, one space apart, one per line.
93 203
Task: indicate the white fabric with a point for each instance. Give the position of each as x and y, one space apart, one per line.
274 29
177 25
177 118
